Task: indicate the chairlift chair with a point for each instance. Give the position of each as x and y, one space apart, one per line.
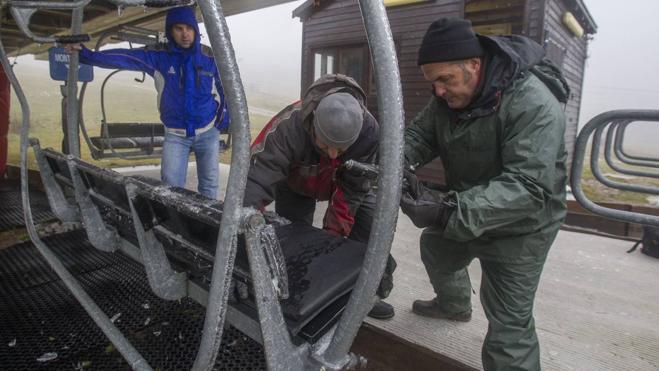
264 257
130 140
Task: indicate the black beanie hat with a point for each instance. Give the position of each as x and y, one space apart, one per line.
449 39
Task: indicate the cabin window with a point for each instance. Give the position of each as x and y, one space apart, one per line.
352 61
492 17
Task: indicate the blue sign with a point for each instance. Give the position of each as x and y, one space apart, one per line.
59 66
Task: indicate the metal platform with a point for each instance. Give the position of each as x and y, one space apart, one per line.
41 320
597 308
11 209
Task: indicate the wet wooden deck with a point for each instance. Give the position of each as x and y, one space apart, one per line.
597 307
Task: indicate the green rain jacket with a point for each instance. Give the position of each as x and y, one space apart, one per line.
504 155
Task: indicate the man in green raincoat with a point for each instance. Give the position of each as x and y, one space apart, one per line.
497 122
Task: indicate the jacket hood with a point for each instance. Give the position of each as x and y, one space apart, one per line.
520 52
184 15
324 86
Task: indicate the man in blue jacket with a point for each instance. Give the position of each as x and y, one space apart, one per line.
184 73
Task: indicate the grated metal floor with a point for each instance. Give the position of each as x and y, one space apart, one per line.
40 319
11 209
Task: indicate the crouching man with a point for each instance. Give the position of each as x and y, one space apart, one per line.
296 161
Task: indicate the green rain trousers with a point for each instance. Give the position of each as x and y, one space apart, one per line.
507 292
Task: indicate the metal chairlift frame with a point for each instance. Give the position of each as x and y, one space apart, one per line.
136 35
332 351
595 127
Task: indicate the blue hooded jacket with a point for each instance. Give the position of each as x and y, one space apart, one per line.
184 78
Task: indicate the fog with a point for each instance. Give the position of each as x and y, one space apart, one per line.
622 69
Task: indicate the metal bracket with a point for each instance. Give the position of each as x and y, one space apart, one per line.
58 203
280 353
164 281
101 236
275 261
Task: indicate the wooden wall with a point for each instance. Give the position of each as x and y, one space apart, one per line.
575 49
339 22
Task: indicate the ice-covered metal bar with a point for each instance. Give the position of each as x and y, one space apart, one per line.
132 356
225 59
390 112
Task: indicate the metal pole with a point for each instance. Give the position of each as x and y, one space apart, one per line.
390 109
132 356
48 4
225 59
72 89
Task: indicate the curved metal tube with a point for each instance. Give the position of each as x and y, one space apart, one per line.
280 353
390 110
594 165
132 356
578 162
48 4
624 157
72 90
225 59
608 149
96 152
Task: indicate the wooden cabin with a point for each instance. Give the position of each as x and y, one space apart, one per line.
334 41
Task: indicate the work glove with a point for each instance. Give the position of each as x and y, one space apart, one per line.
424 206
354 180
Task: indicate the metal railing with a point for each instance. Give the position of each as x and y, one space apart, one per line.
596 127
614 146
332 350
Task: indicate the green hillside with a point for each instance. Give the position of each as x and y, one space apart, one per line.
126 100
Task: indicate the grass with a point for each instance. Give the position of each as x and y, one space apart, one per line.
126 101
598 192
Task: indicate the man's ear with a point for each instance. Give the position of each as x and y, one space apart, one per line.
474 64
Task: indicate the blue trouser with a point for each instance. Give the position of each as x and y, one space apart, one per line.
507 293
175 153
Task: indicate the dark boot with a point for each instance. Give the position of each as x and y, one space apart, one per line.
381 310
430 308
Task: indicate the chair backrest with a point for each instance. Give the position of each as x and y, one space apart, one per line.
321 268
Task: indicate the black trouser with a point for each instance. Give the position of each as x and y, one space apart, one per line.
300 209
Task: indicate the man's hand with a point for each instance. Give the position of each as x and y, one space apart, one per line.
424 206
70 48
357 176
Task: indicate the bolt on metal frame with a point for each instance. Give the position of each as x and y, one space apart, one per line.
596 125
332 351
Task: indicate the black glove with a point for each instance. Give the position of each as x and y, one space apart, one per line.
424 206
410 183
353 181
